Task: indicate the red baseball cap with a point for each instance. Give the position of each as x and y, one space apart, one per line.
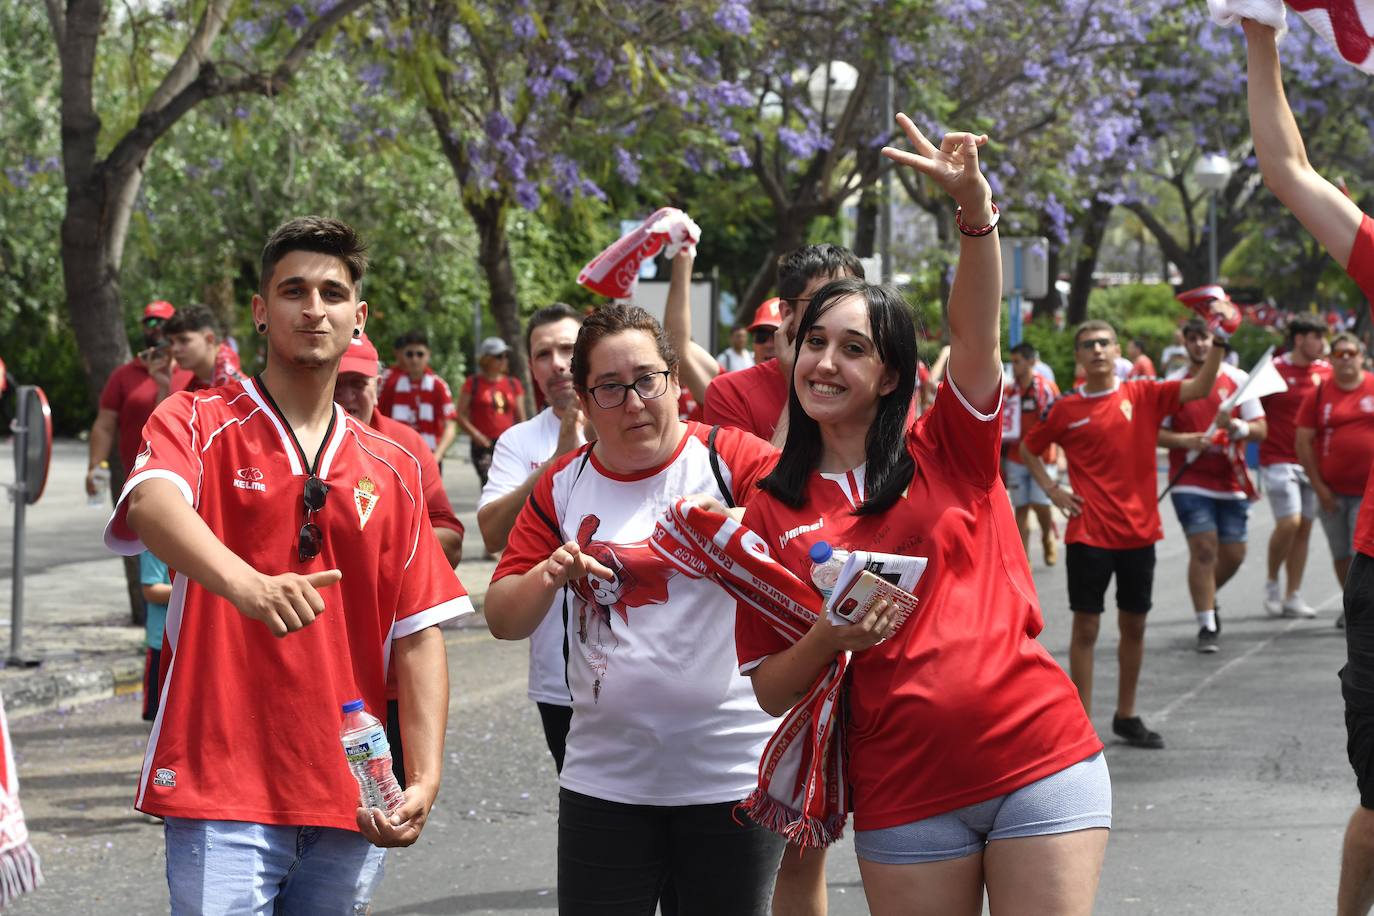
160 309
767 315
360 357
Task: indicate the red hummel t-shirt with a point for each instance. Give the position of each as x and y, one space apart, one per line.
1281 409
1109 440
1344 421
425 406
131 392
1361 269
492 404
1030 405
751 399
1215 472
248 725
963 704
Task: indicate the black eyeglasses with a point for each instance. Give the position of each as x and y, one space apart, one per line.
648 387
763 335
311 538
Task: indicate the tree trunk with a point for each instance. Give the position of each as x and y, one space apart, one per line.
866 223
792 226
1094 228
493 254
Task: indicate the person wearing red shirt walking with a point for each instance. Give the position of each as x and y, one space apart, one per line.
491 401
1335 443
1141 364
1023 404
131 393
197 346
1107 429
1348 236
754 399
306 569
416 396
1210 486
971 766
1290 493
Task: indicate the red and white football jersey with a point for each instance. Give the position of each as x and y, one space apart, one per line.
425 407
1021 412
248 724
1215 472
751 399
1281 409
661 715
1344 422
963 704
1109 440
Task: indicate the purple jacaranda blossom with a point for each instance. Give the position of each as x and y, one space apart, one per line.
524 27
627 166
498 126
527 195
296 17
733 16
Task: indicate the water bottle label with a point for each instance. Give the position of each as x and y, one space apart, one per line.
371 745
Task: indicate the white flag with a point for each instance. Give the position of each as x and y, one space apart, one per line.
1264 380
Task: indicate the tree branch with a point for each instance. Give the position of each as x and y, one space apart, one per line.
57 18
193 57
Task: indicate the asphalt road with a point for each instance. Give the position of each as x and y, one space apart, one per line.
1242 813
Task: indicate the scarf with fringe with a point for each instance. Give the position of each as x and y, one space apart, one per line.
802 791
20 870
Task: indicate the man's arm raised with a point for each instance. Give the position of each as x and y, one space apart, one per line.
172 530
1331 217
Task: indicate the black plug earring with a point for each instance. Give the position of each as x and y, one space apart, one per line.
262 327
357 332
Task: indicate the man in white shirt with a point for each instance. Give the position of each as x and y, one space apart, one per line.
737 355
522 454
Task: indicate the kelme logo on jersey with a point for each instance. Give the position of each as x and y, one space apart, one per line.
365 499
165 778
249 479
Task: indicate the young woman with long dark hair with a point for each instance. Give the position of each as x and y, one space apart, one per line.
971 763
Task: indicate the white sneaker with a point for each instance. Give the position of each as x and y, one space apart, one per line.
1273 601
1294 606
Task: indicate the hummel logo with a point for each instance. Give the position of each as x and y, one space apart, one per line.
1077 423
788 535
249 479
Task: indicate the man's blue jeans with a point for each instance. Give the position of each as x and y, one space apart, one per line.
233 867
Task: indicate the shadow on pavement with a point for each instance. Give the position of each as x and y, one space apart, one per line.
542 899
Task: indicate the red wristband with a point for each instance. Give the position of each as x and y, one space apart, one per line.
979 232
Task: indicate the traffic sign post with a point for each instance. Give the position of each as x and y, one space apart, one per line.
1029 277
32 429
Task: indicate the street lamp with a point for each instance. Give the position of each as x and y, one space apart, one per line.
1212 171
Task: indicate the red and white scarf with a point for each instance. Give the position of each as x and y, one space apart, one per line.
20 869
1347 25
802 791
615 271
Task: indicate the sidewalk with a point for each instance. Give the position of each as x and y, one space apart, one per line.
76 615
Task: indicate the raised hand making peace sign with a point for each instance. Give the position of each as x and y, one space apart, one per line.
953 166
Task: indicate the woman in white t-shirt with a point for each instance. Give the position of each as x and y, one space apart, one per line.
666 735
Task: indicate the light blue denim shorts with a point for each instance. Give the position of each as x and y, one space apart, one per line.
1078 797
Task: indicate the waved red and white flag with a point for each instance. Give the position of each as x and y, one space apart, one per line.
614 272
1347 25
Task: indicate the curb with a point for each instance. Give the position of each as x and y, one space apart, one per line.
41 691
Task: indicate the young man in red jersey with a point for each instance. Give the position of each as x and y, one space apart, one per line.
306 569
1026 399
1107 428
1290 492
1336 446
1211 487
1348 235
753 399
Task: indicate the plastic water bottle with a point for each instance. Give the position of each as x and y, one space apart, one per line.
101 478
369 757
826 563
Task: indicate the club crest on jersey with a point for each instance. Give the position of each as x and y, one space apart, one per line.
1127 409
250 479
143 456
365 499
1367 404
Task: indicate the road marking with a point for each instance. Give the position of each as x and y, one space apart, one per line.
1215 675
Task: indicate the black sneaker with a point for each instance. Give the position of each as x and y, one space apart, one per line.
1134 733
1207 641
1216 615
